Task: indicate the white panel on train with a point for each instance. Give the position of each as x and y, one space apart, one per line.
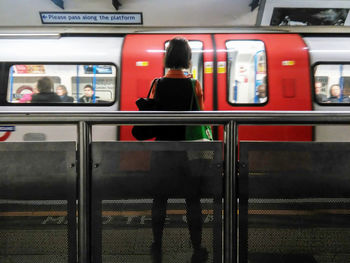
328 57
63 50
328 48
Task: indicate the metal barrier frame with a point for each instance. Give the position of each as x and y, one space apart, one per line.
230 120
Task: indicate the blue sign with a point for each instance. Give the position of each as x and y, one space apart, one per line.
99 69
7 128
91 18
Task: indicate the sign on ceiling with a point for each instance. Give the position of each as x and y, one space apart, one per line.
91 18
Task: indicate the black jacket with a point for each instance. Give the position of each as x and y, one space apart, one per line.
173 94
66 98
334 99
45 97
85 99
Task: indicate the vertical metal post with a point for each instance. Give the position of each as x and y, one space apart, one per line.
11 83
234 189
94 84
77 83
84 139
230 201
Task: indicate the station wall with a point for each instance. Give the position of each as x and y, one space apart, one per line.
196 13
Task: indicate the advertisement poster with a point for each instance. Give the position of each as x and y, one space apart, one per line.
29 69
99 69
303 13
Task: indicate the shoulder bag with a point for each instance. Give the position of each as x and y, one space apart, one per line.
197 132
145 104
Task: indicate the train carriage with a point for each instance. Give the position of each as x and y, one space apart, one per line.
67 61
120 67
329 62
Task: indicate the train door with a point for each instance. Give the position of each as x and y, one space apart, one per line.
268 72
142 61
331 82
73 62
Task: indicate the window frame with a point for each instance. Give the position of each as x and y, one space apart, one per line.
227 77
313 80
5 75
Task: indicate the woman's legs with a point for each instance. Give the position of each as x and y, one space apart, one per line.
195 224
158 219
194 220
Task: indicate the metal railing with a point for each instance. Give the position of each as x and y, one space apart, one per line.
230 120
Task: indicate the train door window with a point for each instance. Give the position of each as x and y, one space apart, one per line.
62 83
246 72
196 70
332 84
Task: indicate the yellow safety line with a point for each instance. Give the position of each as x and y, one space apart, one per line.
104 213
182 212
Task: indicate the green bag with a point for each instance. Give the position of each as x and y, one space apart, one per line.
198 132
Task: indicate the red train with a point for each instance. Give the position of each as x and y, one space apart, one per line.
287 71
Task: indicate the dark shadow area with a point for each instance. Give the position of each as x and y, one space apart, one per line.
294 202
168 194
38 202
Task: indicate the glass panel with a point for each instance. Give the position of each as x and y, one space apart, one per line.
246 72
61 84
38 202
332 83
294 202
140 194
196 70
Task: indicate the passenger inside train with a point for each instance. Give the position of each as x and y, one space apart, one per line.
262 93
89 95
336 95
45 92
320 96
61 91
29 91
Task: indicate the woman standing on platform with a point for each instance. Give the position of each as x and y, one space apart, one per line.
174 92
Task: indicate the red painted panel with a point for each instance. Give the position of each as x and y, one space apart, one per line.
142 61
288 84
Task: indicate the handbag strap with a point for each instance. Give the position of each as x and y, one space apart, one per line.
150 90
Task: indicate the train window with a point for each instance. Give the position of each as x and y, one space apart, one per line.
246 72
332 83
61 83
196 70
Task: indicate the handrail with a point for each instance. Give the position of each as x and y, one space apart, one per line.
180 118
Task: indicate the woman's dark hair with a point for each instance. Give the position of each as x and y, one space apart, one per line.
45 85
178 54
